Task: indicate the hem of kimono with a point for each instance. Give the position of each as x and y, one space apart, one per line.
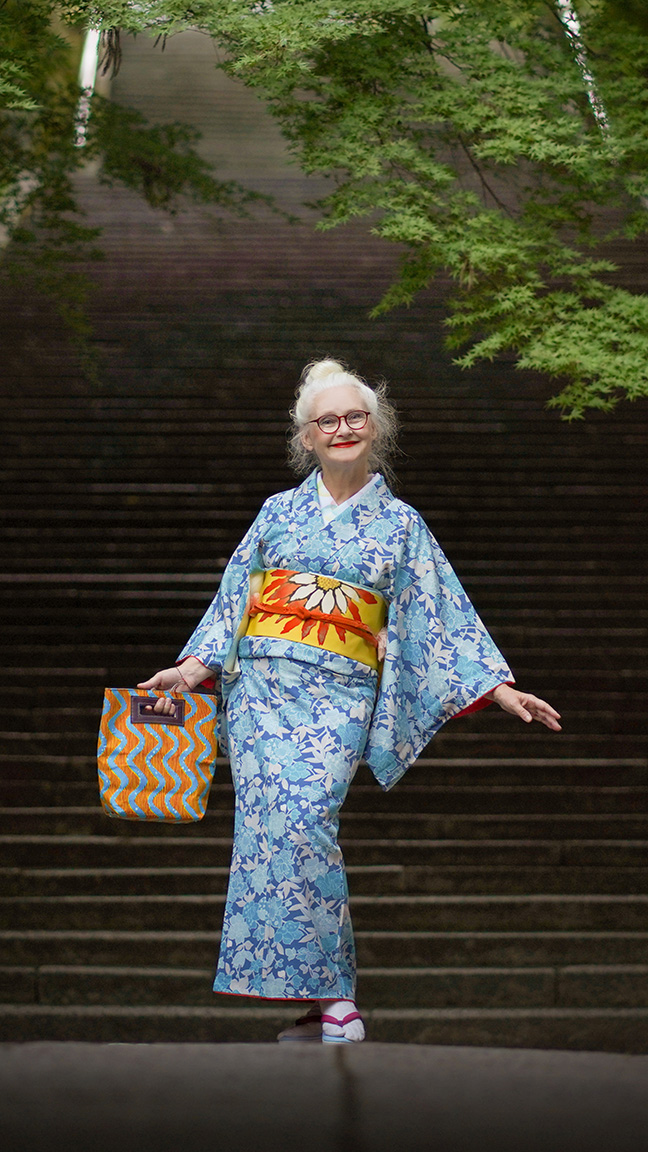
285 999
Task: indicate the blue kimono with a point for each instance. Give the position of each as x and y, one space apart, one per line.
297 719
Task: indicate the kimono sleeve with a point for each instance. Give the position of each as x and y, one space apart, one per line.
215 640
439 658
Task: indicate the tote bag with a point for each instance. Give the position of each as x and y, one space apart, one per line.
152 766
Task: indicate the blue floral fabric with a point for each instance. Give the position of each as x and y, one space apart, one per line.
440 659
294 732
297 719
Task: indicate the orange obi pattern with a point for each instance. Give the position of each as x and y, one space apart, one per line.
156 767
319 610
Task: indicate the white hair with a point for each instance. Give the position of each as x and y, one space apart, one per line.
321 375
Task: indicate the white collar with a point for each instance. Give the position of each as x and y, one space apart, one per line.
330 509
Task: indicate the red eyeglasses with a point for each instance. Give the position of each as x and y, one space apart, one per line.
329 424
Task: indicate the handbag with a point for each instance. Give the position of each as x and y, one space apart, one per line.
154 766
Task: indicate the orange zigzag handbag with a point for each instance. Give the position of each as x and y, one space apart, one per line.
156 767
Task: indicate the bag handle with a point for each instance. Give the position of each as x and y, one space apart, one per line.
139 716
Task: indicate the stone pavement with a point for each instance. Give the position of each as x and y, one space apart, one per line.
248 1097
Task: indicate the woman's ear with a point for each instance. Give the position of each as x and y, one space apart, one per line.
306 440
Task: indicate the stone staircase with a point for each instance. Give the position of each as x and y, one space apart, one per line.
495 902
500 892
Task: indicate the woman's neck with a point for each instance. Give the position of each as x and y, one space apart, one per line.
343 483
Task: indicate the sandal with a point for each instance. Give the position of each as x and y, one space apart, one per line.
341 1038
308 1027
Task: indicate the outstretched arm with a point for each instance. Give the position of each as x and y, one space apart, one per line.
526 706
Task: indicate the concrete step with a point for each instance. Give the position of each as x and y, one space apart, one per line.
549 676
92 821
173 415
532 913
461 740
431 771
144 447
490 577
433 798
562 483
125 499
98 536
545 666
558 669
176 547
405 987
419 402
604 704
203 494
439 879
376 949
87 652
526 630
182 553
87 664
584 1029
153 851
70 422
50 773
584 986
487 593
76 734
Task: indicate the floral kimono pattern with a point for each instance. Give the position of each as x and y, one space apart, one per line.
298 718
287 929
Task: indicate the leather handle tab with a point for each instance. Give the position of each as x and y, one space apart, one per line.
139 716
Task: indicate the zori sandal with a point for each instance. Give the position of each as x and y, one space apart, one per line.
308 1027
335 1031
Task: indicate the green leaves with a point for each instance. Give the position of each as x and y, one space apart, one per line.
603 349
43 239
464 132
13 93
159 162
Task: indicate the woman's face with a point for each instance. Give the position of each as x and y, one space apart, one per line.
347 446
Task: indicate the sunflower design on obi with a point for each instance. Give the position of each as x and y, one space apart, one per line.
321 611
323 592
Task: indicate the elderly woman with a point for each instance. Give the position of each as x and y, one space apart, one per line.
339 631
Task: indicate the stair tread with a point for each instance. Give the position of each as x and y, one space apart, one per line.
174 1010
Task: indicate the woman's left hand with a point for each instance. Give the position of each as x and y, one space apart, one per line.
526 706
183 677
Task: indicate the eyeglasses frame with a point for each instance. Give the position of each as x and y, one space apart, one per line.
339 419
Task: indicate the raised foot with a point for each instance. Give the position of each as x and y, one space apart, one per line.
306 1028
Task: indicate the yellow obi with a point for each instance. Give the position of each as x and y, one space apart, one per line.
320 611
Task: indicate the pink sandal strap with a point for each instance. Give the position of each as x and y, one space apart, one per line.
341 1023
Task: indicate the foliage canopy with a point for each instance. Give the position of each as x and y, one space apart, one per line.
39 210
464 133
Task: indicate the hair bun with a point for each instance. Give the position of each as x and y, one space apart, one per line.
319 369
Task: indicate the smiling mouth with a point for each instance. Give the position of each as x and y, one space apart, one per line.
345 444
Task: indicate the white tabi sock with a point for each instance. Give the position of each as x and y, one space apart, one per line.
338 1009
